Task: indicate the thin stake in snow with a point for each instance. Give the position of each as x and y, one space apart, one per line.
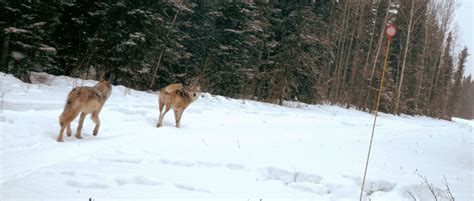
390 32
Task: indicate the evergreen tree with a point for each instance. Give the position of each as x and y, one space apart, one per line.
310 51
26 33
466 108
453 101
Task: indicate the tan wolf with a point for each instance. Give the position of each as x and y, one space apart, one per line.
177 97
84 100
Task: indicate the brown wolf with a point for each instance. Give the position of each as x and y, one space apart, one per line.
177 97
84 100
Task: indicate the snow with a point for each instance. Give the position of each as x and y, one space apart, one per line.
77 20
136 11
226 149
48 49
15 30
234 31
129 43
39 24
138 35
17 55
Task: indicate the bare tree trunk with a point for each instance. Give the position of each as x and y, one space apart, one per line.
340 52
349 50
371 38
419 76
346 64
377 52
153 77
361 99
445 11
405 53
359 76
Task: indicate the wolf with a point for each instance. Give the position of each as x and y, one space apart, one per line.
84 100
177 97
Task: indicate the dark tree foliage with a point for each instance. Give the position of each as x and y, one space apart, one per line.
466 108
321 51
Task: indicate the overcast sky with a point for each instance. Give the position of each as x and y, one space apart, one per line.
464 18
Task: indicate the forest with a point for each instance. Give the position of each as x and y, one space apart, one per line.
318 52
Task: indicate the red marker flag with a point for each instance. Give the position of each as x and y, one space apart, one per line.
390 31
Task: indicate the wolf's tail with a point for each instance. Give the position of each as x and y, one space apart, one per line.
174 87
69 108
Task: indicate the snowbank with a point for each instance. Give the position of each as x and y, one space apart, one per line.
226 149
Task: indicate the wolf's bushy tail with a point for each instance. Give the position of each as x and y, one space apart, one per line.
174 87
69 112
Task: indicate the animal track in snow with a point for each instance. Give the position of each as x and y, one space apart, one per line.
93 185
177 163
373 186
272 173
78 173
139 180
208 164
191 188
25 106
378 186
128 111
119 160
310 188
232 166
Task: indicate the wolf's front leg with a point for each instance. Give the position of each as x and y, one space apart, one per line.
177 115
95 118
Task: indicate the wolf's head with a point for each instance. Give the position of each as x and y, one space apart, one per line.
194 91
105 88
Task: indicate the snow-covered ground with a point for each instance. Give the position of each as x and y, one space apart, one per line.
225 149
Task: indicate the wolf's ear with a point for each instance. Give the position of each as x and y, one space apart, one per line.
100 71
107 76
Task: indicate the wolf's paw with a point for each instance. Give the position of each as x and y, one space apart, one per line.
60 140
78 137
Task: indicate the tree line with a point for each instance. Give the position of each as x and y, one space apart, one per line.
319 51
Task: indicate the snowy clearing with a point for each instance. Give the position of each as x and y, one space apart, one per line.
225 149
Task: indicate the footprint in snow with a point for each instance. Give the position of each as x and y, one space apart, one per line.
139 180
272 173
92 185
119 160
191 188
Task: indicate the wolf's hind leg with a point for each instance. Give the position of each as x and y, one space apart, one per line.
162 115
159 114
79 127
161 106
69 131
65 121
61 132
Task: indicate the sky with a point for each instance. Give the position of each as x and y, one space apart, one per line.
464 17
